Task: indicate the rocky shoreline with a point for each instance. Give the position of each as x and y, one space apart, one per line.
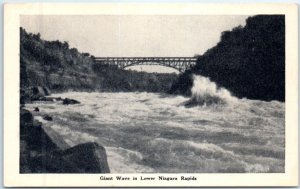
42 150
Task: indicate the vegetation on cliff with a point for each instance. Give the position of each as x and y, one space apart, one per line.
249 61
53 64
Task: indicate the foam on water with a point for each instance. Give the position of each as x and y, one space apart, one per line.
148 132
121 160
206 92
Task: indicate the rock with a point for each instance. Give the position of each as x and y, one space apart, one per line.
48 118
46 91
88 157
22 100
38 91
51 162
37 123
38 140
206 100
54 99
26 119
68 101
41 151
36 109
42 98
58 98
83 158
33 141
47 99
25 96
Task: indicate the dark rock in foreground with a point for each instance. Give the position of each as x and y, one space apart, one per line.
27 122
26 118
83 158
42 150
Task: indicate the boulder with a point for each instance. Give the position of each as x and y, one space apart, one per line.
34 142
38 140
43 151
68 101
58 98
37 123
48 99
25 96
48 118
83 158
54 99
41 98
88 157
26 119
36 109
38 91
46 91
22 99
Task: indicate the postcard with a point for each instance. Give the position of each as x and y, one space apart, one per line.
150 95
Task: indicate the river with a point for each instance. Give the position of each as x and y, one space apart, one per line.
157 133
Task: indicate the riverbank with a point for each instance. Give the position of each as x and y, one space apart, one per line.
43 150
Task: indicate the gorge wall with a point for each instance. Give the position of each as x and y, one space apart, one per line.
55 65
249 61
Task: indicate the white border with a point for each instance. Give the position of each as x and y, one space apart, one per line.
12 14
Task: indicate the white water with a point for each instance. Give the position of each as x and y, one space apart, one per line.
147 132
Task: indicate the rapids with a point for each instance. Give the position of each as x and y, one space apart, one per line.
158 133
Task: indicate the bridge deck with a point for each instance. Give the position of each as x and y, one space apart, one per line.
146 58
179 63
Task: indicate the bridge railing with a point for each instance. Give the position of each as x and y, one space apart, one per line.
146 58
179 63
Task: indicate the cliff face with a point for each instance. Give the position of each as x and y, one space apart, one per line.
55 65
249 61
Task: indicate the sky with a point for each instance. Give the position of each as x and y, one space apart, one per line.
134 35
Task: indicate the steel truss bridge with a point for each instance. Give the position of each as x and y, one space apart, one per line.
179 63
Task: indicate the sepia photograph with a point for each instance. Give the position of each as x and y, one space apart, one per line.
153 94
